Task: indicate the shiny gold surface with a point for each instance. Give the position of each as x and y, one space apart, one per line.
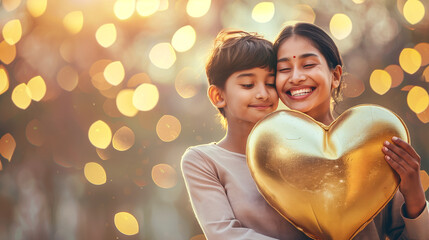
328 181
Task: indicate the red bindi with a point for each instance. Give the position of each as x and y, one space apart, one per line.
293 56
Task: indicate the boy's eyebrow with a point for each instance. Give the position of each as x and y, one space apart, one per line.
246 75
305 55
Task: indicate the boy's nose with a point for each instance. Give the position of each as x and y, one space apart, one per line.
262 93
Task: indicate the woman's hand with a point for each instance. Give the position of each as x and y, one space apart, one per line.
402 157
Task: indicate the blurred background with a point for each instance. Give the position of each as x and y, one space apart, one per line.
99 99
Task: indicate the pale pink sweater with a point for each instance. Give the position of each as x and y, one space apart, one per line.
228 205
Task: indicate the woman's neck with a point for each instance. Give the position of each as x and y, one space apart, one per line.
235 139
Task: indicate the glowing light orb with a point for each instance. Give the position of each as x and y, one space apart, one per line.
126 223
145 97
424 116
380 81
168 128
124 9
123 139
162 55
263 12
73 22
7 146
396 73
106 35
164 176
37 87
358 1
124 102
68 78
4 80
37 7
426 74
114 73
413 11
12 31
138 79
418 99
10 5
198 8
95 173
187 83
146 8
410 60
184 38
7 52
423 49
99 134
21 96
340 26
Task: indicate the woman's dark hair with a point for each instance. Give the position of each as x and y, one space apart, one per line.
320 40
235 51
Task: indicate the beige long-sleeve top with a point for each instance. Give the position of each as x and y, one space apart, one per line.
228 205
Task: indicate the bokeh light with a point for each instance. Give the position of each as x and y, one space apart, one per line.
37 88
164 176
424 116
138 79
124 102
305 13
7 52
114 73
184 38
198 8
263 12
162 55
12 31
21 96
10 5
168 128
35 133
68 78
37 7
145 97
97 74
426 74
95 173
413 11
7 146
340 26
380 81
396 74
104 154
73 22
4 80
418 99
358 1
424 179
123 139
187 83
99 134
106 35
126 223
124 9
146 8
410 60
423 49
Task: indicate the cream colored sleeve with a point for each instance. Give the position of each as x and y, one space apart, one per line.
417 228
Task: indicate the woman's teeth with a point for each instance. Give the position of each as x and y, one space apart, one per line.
300 92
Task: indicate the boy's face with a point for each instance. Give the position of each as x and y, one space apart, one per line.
249 95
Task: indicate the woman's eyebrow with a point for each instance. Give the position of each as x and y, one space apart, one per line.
305 55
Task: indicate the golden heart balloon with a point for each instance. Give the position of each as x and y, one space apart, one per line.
328 181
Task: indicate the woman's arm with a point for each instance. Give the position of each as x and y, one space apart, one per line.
210 202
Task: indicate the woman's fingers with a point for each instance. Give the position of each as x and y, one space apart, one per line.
407 147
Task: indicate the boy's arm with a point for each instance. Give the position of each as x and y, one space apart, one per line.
210 203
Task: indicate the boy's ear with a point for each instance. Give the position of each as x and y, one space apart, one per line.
216 96
337 73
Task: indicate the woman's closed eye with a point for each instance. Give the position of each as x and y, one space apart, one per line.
310 65
250 85
284 70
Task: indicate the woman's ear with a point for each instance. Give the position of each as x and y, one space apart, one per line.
336 73
216 96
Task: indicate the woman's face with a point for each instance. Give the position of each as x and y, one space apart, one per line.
304 80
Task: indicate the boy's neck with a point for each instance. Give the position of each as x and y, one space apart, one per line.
235 139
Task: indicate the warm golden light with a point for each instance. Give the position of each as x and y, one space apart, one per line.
95 173
37 7
414 11
426 74
4 80
164 176
168 128
7 52
162 55
10 5
146 8
126 223
7 146
423 49
358 1
99 134
123 139
340 26
37 87
34 133
145 97
418 99
124 102
67 78
424 116
114 73
104 154
124 9
263 12
187 83
396 73
97 74
106 35
21 96
138 79
380 81
424 178
410 60
73 22
197 8
184 38
305 13
12 31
